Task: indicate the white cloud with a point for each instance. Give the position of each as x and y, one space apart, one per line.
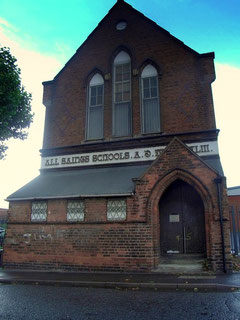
226 94
4 23
23 160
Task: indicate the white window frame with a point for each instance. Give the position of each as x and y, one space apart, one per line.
37 216
116 216
121 59
149 72
96 81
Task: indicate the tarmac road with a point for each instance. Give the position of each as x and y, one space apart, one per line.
34 302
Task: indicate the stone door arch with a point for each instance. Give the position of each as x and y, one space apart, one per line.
154 199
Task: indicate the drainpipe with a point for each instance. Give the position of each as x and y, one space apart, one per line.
218 182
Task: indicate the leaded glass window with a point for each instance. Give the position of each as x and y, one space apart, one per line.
150 100
122 83
95 108
122 95
116 209
39 211
75 210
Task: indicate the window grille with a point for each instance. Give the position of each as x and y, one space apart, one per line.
39 211
116 209
75 211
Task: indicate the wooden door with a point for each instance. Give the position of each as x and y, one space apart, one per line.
182 226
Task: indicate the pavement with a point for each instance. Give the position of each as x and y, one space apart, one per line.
134 281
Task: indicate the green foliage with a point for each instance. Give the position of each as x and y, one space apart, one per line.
15 102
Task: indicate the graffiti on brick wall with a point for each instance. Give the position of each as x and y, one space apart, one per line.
41 235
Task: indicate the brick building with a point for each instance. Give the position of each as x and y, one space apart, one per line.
130 168
234 208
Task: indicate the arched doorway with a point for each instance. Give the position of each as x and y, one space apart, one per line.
182 224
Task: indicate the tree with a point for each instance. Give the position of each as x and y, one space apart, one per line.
15 102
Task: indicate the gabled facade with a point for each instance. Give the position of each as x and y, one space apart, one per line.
130 166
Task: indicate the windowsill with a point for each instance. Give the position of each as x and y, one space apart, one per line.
94 140
152 133
121 137
78 223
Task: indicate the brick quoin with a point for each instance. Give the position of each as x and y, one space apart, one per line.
186 116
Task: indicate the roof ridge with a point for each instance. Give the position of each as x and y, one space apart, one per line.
149 20
184 145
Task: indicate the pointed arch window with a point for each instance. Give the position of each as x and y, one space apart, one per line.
122 95
95 108
150 100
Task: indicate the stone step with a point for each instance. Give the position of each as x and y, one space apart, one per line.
181 263
179 268
180 256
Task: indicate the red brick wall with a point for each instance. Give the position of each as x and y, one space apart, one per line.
186 105
234 201
184 81
178 162
134 244
95 244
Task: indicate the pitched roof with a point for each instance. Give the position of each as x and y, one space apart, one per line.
89 182
212 164
118 6
233 191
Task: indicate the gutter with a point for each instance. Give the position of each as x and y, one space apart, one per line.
73 196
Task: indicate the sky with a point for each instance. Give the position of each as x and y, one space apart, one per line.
43 35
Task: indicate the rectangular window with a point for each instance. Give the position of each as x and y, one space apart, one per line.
116 209
150 105
95 113
39 211
75 210
122 98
